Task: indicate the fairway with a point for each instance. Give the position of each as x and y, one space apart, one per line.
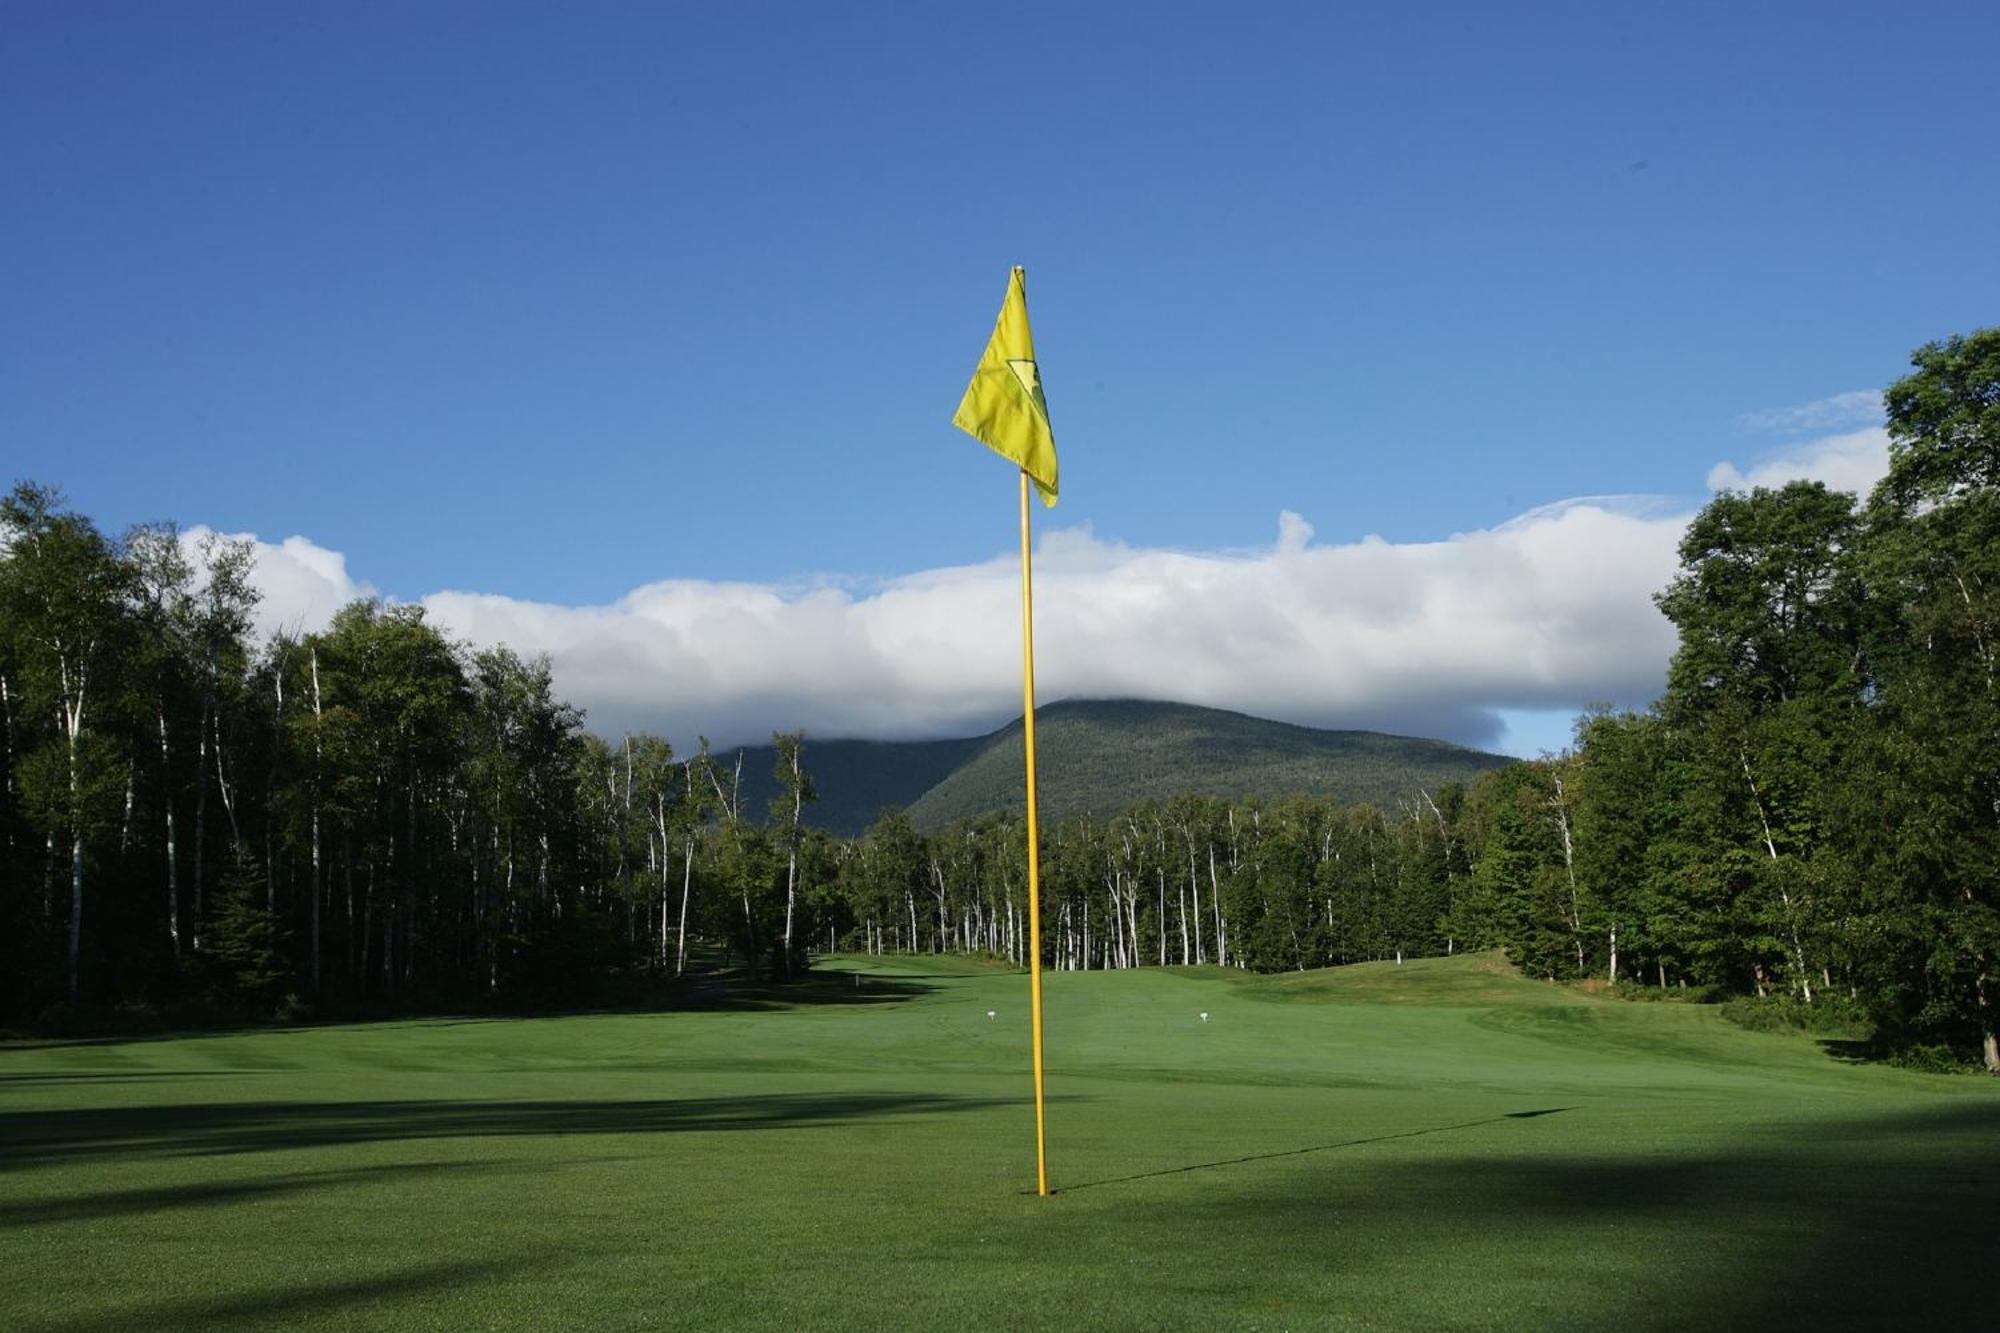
1434 1145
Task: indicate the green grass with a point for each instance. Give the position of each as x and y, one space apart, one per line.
1441 1145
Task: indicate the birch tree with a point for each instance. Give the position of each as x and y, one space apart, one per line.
795 789
219 621
64 592
163 585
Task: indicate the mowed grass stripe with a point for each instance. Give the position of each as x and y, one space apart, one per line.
1440 1145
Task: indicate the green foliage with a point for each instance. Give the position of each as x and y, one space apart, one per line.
1106 756
569 961
1827 1016
1765 603
1681 994
1929 1057
1814 809
246 960
1944 424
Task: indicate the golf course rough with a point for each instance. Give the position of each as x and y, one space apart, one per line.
1434 1145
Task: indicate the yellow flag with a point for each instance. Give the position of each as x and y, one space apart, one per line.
1003 407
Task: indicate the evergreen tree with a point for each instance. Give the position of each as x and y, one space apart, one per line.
246 955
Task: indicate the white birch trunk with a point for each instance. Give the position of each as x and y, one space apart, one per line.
75 868
1777 873
1215 896
792 854
1194 886
173 854
318 873
1561 804
228 796
196 905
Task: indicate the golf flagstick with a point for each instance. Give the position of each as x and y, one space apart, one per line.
1003 408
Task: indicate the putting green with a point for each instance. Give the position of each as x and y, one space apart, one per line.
1437 1145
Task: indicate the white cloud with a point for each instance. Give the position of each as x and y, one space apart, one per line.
1852 462
1859 407
302 583
1486 637
1432 638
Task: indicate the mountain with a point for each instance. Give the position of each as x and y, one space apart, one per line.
1103 756
854 779
1106 755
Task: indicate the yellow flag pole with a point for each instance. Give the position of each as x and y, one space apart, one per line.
1034 839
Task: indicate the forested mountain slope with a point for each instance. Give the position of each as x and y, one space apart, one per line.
1107 755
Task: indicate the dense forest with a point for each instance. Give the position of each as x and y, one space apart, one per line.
196 822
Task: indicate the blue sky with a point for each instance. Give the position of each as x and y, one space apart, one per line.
551 303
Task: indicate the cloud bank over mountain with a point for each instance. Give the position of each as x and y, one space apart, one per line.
1551 610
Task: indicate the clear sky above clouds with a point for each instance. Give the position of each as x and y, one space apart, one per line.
540 306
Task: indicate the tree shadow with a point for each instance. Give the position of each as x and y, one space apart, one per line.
1904 1052
33 1137
207 1194
1875 1223
122 1076
134 1038
721 993
1316 1148
814 988
276 1305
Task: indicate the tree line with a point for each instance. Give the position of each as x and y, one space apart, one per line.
368 816
374 818
1812 809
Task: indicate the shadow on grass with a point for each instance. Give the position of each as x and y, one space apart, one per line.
1905 1052
723 992
121 1076
1316 1148
293 1300
208 1194
33 1137
1883 1222
815 988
